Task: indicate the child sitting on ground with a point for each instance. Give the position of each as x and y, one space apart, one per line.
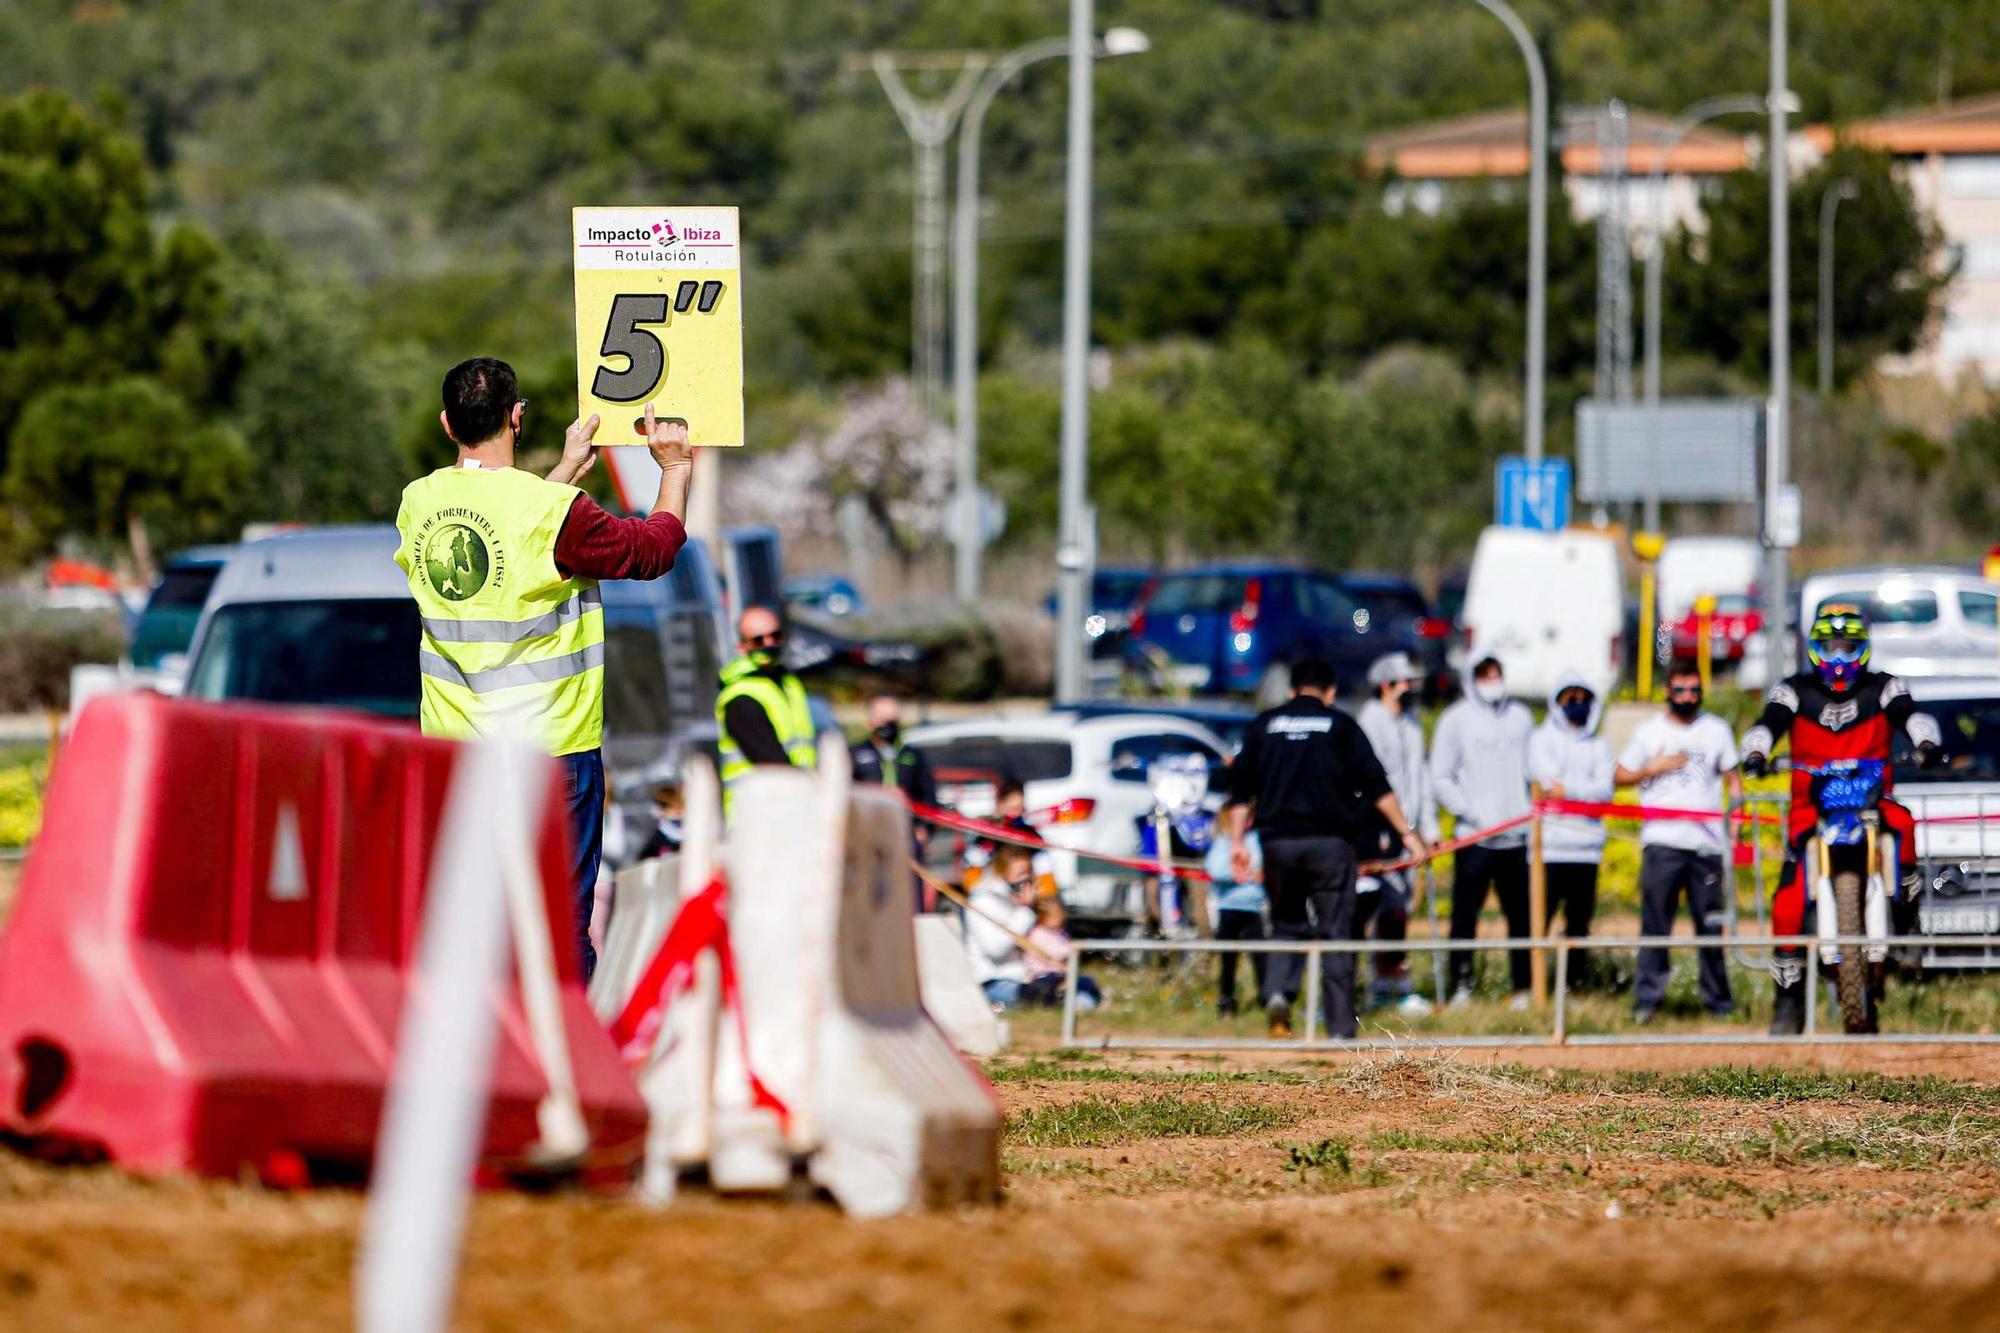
1048 961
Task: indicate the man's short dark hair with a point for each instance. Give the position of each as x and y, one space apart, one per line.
1479 668
479 397
1681 668
1312 673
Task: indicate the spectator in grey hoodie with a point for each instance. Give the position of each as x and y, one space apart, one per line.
1388 720
1479 765
1572 763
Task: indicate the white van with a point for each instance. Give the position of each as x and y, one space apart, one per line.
1545 603
1715 566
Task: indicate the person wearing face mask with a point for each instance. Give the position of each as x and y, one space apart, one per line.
1479 767
1389 722
882 759
1572 762
503 566
1681 759
762 712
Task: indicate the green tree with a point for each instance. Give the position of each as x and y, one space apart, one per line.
122 461
87 291
1888 277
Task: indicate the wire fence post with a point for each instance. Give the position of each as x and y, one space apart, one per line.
1311 1028
1562 987
1071 969
1538 903
1437 955
1812 991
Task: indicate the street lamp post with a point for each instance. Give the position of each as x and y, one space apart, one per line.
1778 415
1538 223
965 286
1074 537
1829 206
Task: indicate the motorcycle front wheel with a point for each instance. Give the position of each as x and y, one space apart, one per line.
1850 980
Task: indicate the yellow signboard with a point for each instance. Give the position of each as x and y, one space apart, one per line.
659 320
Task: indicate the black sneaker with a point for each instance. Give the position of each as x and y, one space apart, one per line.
1788 1010
1225 1008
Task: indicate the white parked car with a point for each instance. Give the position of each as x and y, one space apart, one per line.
1926 620
1707 565
1965 901
1546 603
1084 782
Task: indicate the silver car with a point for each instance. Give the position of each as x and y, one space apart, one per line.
1926 620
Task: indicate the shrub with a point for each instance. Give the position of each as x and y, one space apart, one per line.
38 648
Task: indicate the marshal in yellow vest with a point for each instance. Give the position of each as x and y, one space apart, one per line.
509 644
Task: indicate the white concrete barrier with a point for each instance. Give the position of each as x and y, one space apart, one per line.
950 994
831 1059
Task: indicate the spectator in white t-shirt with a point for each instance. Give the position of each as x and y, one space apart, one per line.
1683 760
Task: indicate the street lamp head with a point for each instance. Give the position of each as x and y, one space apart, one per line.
1124 42
1847 189
1787 102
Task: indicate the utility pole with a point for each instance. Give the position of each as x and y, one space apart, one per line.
1829 208
1778 415
929 125
1613 379
967 524
1074 556
1538 224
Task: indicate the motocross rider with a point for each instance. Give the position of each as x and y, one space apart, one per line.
1837 709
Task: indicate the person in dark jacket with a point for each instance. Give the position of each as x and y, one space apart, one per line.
883 759
1316 788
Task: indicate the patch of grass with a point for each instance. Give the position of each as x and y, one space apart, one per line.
1325 1155
1748 1083
1097 1122
1038 1069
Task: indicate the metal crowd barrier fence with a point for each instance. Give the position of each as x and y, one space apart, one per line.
1561 946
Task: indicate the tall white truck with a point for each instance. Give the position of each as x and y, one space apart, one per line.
1546 603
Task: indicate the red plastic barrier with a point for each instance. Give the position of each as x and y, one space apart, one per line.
186 985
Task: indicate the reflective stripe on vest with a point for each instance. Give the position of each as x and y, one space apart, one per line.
784 704
509 643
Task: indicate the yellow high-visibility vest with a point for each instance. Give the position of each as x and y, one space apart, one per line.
784 703
509 644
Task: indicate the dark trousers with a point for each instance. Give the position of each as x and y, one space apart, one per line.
1572 890
583 790
1233 925
1310 882
1664 872
1505 870
1387 909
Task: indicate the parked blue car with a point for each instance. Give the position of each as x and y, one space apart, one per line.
1235 628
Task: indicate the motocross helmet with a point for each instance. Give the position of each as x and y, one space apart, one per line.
1838 644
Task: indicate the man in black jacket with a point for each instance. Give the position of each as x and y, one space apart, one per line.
1316 787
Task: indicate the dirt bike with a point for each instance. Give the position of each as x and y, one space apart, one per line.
1855 875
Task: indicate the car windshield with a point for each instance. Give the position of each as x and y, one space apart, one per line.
1131 756
1890 605
1195 593
185 588
354 653
1116 592
998 758
1971 731
1391 603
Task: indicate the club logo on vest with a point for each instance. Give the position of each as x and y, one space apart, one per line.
455 561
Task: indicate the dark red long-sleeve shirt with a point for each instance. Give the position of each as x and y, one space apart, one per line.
595 544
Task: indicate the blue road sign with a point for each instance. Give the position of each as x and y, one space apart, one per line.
1527 496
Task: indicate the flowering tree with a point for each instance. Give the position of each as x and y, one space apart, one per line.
880 451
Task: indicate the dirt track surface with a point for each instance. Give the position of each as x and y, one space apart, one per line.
1400 1190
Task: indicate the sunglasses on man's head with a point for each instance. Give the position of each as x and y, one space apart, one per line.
774 639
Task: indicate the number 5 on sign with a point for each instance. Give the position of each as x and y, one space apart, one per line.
659 320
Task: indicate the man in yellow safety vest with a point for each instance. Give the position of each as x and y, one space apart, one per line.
504 567
761 712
